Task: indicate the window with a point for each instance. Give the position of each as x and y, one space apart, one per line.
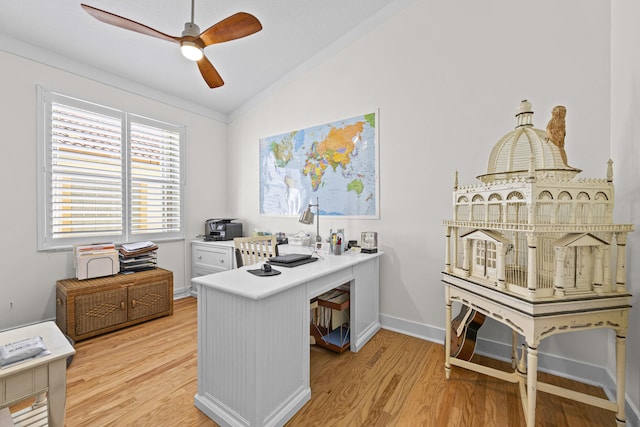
106 175
485 259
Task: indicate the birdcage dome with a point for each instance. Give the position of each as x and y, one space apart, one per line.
526 152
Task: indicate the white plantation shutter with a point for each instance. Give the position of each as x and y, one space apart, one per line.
155 178
86 173
107 175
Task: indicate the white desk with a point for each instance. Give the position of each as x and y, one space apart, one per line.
253 335
39 375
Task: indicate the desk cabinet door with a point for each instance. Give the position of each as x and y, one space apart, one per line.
148 299
100 310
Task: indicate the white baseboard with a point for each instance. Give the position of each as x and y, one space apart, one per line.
549 363
187 292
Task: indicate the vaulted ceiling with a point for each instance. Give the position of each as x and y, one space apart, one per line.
294 32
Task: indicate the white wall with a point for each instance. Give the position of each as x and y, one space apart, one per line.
625 151
27 292
446 77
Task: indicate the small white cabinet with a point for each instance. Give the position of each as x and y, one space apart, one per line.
211 257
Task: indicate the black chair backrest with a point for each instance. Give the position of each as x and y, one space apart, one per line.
239 262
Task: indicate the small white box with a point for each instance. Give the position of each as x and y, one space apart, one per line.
90 265
300 239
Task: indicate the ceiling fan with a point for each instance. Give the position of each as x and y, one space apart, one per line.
192 42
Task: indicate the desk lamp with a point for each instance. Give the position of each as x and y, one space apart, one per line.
306 217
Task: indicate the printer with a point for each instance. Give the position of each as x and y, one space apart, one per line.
221 229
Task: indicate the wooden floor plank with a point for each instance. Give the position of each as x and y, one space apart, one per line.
146 375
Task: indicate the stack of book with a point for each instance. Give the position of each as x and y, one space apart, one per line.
138 256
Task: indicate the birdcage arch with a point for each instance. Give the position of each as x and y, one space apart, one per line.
583 208
494 208
462 209
545 208
601 208
564 213
516 208
477 208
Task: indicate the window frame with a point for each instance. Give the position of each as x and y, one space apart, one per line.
46 242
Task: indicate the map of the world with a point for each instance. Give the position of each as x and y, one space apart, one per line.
334 164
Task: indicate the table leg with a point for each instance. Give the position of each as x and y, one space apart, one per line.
41 400
57 395
447 336
620 377
532 379
514 349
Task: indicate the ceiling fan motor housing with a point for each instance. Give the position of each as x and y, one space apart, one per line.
191 30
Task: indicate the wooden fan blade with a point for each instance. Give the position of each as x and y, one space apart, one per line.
209 73
234 27
127 24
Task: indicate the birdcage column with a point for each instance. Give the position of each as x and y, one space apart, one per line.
558 286
532 243
621 250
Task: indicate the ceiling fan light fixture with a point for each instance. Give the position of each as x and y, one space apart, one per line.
191 51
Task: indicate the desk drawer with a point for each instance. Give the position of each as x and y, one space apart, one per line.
204 271
318 286
24 384
211 257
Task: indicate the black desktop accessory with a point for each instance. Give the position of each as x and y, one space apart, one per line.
264 270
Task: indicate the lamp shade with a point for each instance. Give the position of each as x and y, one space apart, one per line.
306 217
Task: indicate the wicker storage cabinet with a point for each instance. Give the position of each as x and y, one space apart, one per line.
86 308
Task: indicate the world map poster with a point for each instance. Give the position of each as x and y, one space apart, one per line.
335 164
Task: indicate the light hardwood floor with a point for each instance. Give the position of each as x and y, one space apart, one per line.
145 375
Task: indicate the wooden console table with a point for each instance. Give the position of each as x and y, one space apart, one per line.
46 374
536 321
86 308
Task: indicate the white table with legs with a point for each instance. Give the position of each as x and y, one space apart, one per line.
41 376
535 322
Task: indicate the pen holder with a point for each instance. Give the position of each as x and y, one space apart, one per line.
338 246
337 242
337 249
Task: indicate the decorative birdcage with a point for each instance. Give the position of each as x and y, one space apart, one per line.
531 227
